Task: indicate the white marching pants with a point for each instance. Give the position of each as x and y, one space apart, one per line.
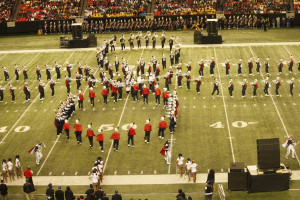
168 157
38 156
290 149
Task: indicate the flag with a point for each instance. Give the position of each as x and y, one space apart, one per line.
31 151
284 145
162 151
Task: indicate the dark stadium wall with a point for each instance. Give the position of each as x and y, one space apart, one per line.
31 27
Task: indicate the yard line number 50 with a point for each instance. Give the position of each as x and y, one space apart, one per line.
236 124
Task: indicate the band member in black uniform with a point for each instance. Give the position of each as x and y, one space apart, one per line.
48 72
17 73
38 72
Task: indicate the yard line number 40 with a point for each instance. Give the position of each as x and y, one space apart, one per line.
236 124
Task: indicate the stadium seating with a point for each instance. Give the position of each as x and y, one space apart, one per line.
187 7
31 10
254 7
5 10
117 8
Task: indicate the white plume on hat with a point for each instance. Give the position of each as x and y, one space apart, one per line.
89 126
147 121
162 119
77 121
66 121
116 129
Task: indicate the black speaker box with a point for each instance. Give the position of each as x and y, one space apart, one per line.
77 32
268 153
197 37
92 40
237 181
237 167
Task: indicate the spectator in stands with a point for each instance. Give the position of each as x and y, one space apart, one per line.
116 196
59 194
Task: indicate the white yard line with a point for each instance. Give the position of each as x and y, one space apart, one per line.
143 47
25 65
287 50
3 56
227 121
59 135
111 146
279 115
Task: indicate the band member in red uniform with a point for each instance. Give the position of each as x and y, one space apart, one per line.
90 134
161 128
157 95
67 128
165 97
131 134
104 93
147 129
100 139
145 93
116 137
78 131
80 100
92 98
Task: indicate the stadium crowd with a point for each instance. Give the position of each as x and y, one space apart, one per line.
5 10
254 7
187 7
117 8
31 10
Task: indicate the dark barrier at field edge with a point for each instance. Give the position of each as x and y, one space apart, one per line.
30 27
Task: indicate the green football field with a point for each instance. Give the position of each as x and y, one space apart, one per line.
212 131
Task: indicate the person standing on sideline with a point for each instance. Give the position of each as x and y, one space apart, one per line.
100 139
28 189
289 145
59 194
116 196
3 190
69 194
18 167
180 160
116 137
10 168
188 168
90 193
78 131
131 134
208 189
147 129
50 192
216 88
4 170
211 177
28 175
161 128
165 151
292 85
194 169
92 98
67 128
244 87
90 134
80 100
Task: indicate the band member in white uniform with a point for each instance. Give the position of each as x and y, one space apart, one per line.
38 152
